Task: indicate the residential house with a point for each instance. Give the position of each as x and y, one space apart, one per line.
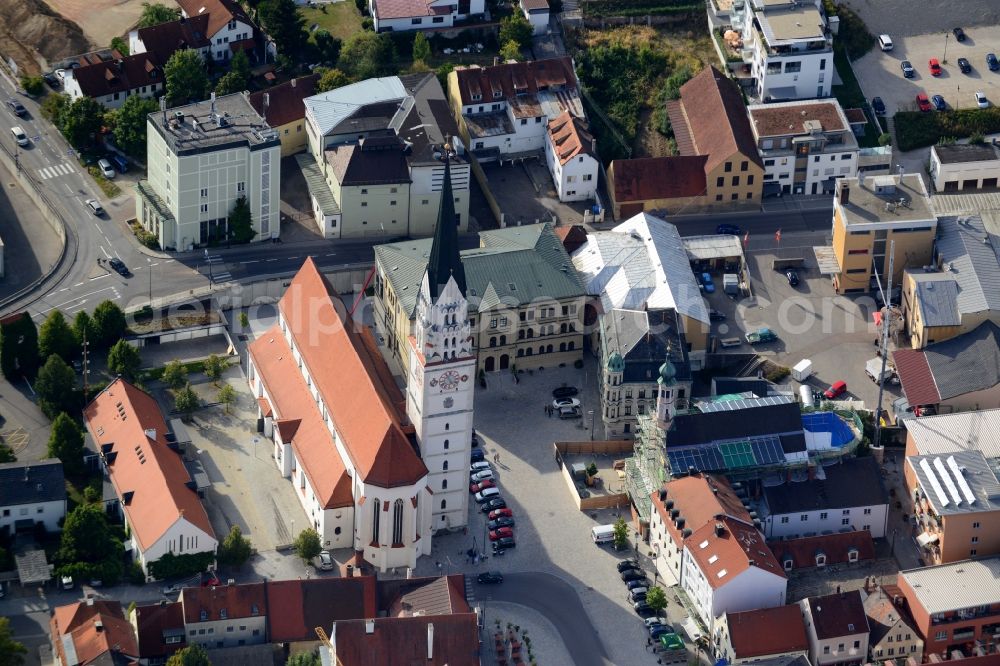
954 606
837 628
444 640
870 213
526 303
805 145
965 167
951 526
229 27
161 41
953 292
406 15
774 635
283 109
536 12
378 145
893 634
162 511
202 157
225 616
719 167
726 567
159 629
92 632
571 155
503 110
297 607
816 552
846 496
32 493
111 82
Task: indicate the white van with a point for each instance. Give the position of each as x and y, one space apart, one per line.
885 42
603 533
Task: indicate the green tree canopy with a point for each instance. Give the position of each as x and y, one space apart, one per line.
81 121
657 599
175 374
517 29
155 14
192 655
304 659
332 79
120 45
109 324
235 549
621 534
215 365
54 106
186 401
86 536
367 54
227 396
421 47
124 360
241 222
510 51
33 85
19 348
327 47
238 76
307 545
56 387
7 454
11 652
130 124
56 337
282 21
83 328
66 443
186 78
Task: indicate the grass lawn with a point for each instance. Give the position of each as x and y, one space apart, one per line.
109 188
340 19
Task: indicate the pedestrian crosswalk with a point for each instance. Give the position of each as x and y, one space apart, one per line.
217 269
63 169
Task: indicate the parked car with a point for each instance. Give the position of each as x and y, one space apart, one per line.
878 106
885 42
923 103
565 392
487 495
908 70
628 565
635 584
964 65
16 107
66 582
500 533
935 67
836 390
715 315
959 34
981 100
95 207
478 455
559 403
479 466
490 578
107 170
632 574
643 609
792 277
504 542
939 103
118 266
654 622
992 62
481 476
658 630
500 522
120 162
638 594
569 412
482 485
707 284
52 80
494 504
325 560
501 512
728 229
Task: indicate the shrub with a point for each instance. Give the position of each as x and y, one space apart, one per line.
777 374
916 130
853 32
178 566
33 85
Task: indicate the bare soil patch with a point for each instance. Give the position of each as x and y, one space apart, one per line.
33 34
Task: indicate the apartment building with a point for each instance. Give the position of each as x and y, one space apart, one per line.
837 627
32 493
869 213
225 615
805 145
893 634
408 15
965 167
111 82
774 635
202 157
571 155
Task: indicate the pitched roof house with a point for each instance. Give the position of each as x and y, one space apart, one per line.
893 633
163 40
32 492
283 107
837 628
824 550
445 640
92 632
761 634
111 82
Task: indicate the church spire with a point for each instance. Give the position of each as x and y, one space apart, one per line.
445 260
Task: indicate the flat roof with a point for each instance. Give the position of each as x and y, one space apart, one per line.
229 121
877 200
718 246
789 118
780 25
966 152
955 586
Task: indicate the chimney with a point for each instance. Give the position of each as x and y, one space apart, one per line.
212 98
98 626
845 192
267 103
720 529
369 626
90 600
151 433
430 641
496 60
333 642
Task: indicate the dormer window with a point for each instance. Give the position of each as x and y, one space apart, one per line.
203 615
497 94
223 614
476 97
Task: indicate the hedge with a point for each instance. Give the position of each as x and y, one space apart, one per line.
915 129
178 566
853 33
608 8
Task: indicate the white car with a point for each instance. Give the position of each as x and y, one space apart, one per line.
107 170
95 207
486 494
981 100
559 403
479 466
19 136
481 476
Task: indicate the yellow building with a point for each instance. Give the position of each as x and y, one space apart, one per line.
283 109
871 213
526 302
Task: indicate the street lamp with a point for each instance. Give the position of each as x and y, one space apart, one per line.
211 278
149 267
593 420
944 58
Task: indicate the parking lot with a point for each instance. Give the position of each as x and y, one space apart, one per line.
880 74
526 194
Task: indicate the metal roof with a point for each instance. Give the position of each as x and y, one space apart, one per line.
719 246
938 300
961 431
955 586
317 185
736 402
960 482
853 482
331 108
968 253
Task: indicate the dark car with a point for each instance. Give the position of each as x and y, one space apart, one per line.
792 277
632 574
16 107
959 34
878 106
964 65
632 584
52 80
119 266
504 542
478 455
565 392
939 103
715 315
626 565
494 504
992 62
908 70
658 630
490 578
728 229
643 609
500 522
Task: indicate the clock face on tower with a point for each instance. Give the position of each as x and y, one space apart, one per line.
449 380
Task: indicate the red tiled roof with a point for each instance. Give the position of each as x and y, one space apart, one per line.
717 118
220 12
431 596
164 39
297 607
573 236
647 178
513 78
682 133
726 555
145 466
915 377
699 499
408 640
570 137
238 601
802 552
265 407
284 103
129 73
96 628
767 631
886 608
151 623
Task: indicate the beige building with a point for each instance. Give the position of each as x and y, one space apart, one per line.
893 634
871 213
837 628
526 302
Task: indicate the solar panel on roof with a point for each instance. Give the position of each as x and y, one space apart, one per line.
742 403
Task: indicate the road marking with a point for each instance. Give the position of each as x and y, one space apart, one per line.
55 171
74 302
78 284
155 264
270 260
68 188
252 261
106 255
100 276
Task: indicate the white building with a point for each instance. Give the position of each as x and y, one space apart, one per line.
537 14
837 627
805 145
161 508
30 493
844 497
229 28
571 155
960 167
111 82
202 158
774 635
406 15
162 40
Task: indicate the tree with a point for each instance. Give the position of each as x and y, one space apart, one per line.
186 401
54 106
657 599
175 374
421 47
282 21
367 55
621 534
130 124
517 29
33 85
244 320
186 78
304 659
235 549
307 545
86 536
215 365
109 324
120 45
227 396
56 337
11 652
327 47
19 347
672 86
7 454
238 76
510 51
124 360
241 222
192 655
66 443
81 121
56 387
332 79
155 14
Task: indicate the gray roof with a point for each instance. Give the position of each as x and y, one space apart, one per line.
853 482
966 363
513 266
961 431
965 152
956 586
938 301
718 246
317 185
643 345
960 482
32 482
333 107
867 202
32 567
967 252
234 123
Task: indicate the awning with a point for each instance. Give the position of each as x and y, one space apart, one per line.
926 538
826 260
265 407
